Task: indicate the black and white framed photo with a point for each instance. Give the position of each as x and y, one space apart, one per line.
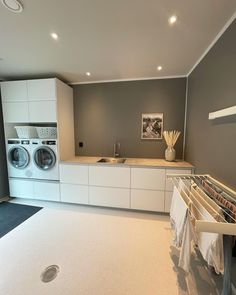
152 126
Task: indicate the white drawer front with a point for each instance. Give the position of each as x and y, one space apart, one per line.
168 199
74 193
77 174
21 188
42 89
110 197
46 191
109 176
147 178
16 112
42 111
147 200
169 184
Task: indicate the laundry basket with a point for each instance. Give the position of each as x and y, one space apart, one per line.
47 132
26 132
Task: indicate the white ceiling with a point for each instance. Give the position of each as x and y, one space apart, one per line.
112 39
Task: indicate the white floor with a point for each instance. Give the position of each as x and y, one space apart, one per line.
99 252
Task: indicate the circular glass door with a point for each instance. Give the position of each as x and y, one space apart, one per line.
44 158
18 157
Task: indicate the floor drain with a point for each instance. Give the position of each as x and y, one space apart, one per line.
50 273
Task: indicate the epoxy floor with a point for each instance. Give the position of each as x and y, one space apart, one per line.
99 252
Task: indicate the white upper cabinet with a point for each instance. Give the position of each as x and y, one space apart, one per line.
42 89
15 112
14 91
42 111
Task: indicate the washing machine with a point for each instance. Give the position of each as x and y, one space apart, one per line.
45 164
19 158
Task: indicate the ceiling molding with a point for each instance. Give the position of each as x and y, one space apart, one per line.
127 80
221 32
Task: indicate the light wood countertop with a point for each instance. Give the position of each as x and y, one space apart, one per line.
131 162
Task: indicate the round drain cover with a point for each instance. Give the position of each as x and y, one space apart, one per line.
50 273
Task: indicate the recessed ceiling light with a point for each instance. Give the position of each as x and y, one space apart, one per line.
159 68
13 5
172 19
88 73
54 36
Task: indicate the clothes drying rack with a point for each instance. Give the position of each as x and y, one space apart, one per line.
224 197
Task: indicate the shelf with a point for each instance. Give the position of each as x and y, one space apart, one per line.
222 113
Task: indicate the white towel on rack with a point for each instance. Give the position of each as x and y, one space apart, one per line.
180 222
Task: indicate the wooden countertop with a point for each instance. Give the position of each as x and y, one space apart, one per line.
130 162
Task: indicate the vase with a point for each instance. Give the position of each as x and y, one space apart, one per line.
170 154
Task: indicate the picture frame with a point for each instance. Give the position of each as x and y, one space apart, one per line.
152 126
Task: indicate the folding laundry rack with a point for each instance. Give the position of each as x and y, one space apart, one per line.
214 190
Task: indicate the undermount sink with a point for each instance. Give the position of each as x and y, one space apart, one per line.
111 160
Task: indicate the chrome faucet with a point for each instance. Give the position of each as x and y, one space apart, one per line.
116 151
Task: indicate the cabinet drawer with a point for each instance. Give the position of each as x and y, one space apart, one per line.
74 193
109 176
42 111
15 112
20 188
147 200
46 191
42 89
77 174
110 197
147 178
14 91
169 184
168 199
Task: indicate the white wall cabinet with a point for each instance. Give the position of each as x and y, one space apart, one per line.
41 89
14 91
42 111
149 200
16 112
33 101
148 178
109 197
109 176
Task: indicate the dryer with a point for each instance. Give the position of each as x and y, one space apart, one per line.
45 164
19 158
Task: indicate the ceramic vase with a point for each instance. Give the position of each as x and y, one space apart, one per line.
170 154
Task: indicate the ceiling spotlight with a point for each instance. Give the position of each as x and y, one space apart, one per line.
88 73
159 68
172 19
54 36
13 5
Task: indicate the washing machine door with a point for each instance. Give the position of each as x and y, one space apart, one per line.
44 158
18 157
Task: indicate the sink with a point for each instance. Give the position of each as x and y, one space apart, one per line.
111 160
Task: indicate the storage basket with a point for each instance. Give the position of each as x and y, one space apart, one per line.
47 132
26 132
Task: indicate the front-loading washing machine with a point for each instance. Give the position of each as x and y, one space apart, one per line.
45 164
19 158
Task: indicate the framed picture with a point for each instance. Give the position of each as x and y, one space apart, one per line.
152 126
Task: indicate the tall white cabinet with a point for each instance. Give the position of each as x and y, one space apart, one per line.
43 102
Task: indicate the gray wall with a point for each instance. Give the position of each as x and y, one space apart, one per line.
4 191
106 112
211 145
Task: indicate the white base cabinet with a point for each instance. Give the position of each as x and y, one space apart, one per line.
74 193
149 200
110 197
30 189
139 188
